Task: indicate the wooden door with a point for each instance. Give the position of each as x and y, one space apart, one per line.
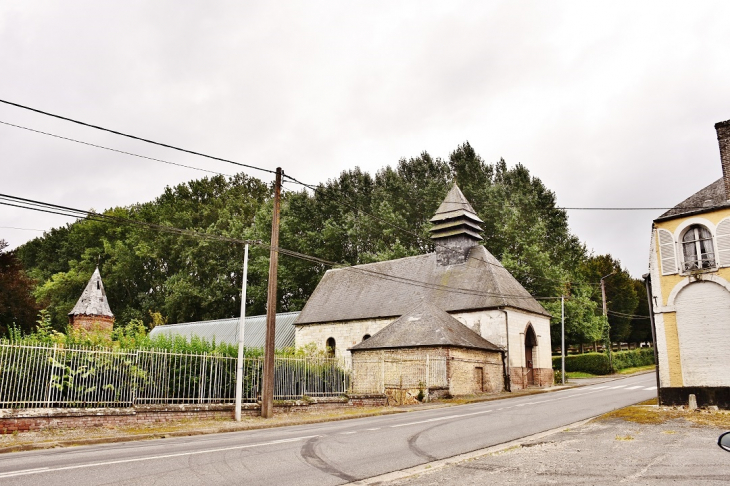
478 379
530 373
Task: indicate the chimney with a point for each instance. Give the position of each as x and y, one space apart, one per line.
723 139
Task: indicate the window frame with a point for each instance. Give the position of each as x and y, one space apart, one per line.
700 264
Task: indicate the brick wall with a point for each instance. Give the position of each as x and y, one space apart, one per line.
541 377
468 370
92 323
475 371
23 420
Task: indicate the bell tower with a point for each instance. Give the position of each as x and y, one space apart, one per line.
455 228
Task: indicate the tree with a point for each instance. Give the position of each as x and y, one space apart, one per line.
640 325
17 305
353 219
621 293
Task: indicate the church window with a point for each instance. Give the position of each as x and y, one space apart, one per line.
366 337
331 347
697 248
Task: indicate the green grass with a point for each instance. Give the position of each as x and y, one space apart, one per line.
578 374
638 369
625 371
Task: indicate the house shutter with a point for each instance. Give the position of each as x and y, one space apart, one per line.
667 252
723 243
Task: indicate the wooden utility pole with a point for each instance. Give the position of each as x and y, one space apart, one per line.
267 395
608 328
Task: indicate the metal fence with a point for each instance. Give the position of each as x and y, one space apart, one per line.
33 376
377 375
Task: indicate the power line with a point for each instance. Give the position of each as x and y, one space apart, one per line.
253 167
113 150
22 229
631 316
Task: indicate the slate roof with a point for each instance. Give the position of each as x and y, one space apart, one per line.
226 330
425 325
394 287
707 199
93 300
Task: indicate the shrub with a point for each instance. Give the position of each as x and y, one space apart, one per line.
597 363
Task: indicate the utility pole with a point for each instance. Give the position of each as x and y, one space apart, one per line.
241 329
647 282
562 337
267 395
608 328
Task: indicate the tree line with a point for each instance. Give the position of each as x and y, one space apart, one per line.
158 277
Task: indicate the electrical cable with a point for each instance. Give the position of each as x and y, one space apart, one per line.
248 166
114 150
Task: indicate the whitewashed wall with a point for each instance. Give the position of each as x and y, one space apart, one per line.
703 325
490 324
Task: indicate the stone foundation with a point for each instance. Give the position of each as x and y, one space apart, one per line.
706 396
542 377
28 419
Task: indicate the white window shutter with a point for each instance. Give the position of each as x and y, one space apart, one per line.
723 243
667 252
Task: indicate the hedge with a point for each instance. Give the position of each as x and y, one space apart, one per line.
597 363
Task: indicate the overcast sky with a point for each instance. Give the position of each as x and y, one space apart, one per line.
608 103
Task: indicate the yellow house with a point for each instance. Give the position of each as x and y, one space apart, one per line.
690 291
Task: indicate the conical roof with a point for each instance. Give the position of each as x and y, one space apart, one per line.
93 300
455 205
456 217
425 325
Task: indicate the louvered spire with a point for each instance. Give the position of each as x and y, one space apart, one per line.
456 228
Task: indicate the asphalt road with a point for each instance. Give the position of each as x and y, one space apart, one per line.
322 454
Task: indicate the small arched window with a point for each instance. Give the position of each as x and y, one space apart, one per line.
366 337
697 248
331 347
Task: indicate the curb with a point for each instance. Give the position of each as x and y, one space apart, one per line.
430 467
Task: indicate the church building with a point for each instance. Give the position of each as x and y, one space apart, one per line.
461 278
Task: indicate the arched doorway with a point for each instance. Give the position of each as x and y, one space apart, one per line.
530 344
331 347
703 329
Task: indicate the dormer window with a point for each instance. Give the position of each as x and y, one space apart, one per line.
697 248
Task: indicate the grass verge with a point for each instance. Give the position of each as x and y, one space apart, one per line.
649 413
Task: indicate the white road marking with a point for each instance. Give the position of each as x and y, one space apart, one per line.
376 428
615 387
151 458
635 387
649 388
348 433
438 419
24 471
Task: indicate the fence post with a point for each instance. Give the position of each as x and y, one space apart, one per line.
50 376
135 374
428 375
201 385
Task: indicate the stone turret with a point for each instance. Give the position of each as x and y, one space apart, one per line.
455 228
92 312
